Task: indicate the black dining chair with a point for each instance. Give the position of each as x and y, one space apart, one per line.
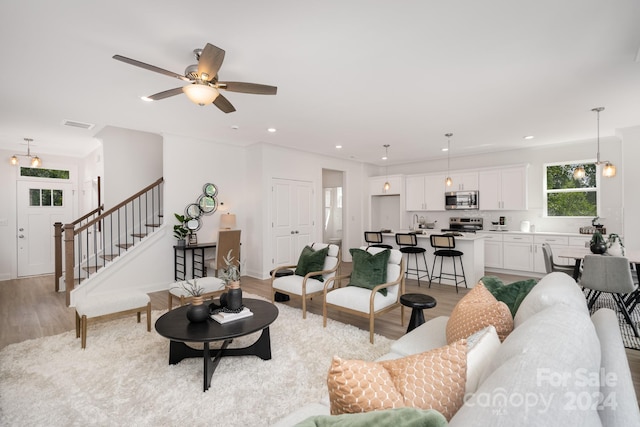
374 240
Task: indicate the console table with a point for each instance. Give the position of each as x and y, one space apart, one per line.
189 255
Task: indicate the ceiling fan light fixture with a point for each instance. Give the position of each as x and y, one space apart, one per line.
201 94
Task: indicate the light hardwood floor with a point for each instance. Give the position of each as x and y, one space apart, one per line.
29 308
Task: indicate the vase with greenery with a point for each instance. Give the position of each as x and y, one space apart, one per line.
197 311
598 245
615 246
230 274
180 231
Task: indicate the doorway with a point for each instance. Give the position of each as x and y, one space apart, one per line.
332 206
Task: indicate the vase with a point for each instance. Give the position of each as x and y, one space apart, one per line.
615 249
234 296
598 247
197 311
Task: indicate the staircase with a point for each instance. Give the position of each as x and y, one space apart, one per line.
96 240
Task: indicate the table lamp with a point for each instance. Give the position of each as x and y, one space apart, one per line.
228 221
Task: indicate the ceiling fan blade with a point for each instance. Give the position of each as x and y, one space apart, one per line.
243 87
210 61
165 94
223 104
150 67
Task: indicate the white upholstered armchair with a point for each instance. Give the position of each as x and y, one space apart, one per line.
368 294
317 264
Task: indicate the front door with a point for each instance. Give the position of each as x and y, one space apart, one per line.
40 204
292 220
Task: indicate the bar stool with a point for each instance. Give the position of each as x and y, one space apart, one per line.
409 245
445 247
374 240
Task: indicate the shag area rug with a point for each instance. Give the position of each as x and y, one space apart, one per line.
123 376
628 337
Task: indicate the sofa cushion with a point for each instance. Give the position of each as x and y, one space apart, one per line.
311 260
369 270
539 375
429 335
385 418
511 294
481 349
477 310
429 380
553 289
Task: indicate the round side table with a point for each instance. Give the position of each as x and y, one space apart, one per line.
280 297
417 302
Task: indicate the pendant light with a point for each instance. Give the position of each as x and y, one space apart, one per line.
387 186
448 182
608 169
34 160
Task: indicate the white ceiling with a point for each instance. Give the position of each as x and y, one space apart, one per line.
359 73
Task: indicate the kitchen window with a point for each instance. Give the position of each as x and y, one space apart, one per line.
565 196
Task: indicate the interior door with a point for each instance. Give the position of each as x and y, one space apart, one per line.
292 220
39 205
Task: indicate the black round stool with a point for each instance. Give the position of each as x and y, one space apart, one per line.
417 302
280 297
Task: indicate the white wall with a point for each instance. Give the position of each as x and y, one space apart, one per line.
630 168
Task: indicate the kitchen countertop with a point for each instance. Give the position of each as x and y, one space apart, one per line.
429 231
536 233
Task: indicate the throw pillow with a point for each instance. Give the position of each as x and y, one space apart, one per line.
511 294
311 260
386 418
477 310
431 380
369 270
481 349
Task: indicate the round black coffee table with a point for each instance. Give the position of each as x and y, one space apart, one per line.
417 302
175 326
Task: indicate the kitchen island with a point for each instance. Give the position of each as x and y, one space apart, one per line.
471 244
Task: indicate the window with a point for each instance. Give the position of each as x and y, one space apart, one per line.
45 197
44 173
565 196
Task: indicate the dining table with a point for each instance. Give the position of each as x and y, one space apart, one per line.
578 254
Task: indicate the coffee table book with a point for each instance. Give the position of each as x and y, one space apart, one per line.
223 317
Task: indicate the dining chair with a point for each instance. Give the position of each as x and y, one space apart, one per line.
228 240
374 240
549 263
609 274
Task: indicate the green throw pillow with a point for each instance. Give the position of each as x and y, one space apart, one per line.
369 270
511 294
412 417
311 260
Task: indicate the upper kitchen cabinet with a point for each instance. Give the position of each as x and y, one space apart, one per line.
503 189
464 181
425 192
376 185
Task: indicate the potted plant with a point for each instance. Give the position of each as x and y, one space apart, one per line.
230 274
197 311
180 231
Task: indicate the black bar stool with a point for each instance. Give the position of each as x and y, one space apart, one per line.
409 245
374 240
445 246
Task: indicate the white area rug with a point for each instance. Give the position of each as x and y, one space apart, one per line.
123 376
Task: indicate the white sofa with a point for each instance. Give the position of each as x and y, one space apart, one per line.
558 367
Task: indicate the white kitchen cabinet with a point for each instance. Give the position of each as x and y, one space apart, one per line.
464 181
493 254
425 192
503 189
376 185
518 252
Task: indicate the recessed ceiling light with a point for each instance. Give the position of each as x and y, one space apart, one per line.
445 149
235 127
529 137
338 146
272 130
145 99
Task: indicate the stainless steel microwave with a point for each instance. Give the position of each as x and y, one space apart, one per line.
461 200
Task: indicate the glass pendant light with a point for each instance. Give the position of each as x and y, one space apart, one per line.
608 170
448 182
387 186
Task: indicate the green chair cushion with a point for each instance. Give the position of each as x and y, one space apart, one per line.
369 270
511 294
311 260
407 417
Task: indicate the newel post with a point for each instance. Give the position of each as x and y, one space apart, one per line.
57 243
69 281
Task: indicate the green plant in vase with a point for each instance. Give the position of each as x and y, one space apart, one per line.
180 231
230 274
598 245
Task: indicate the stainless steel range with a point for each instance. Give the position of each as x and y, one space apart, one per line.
464 224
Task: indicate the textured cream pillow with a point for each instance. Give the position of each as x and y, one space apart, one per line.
431 380
477 310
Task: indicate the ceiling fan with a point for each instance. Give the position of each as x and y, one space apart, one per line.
204 86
